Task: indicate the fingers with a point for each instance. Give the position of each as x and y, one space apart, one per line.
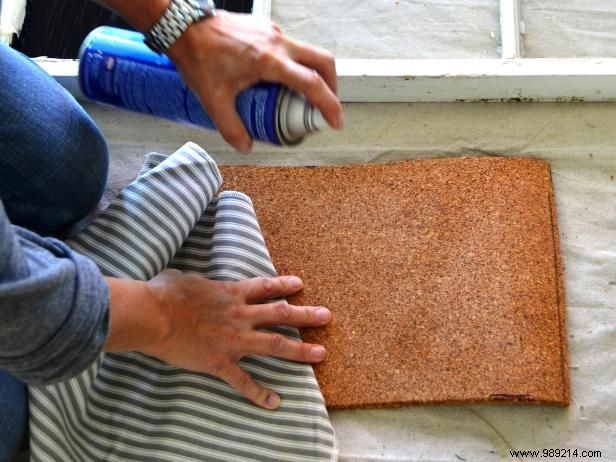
281 313
257 290
274 344
316 58
309 83
241 380
228 122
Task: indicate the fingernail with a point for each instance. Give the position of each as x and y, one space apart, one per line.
323 314
317 352
272 401
294 282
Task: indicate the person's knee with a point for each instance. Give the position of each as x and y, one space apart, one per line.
84 159
53 162
61 171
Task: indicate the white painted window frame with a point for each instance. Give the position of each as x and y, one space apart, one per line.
510 78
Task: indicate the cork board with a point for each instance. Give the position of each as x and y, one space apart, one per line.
444 276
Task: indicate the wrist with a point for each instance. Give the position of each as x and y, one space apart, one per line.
192 45
137 319
179 16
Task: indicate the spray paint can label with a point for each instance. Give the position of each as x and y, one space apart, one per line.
117 68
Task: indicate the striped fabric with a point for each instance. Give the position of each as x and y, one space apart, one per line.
130 407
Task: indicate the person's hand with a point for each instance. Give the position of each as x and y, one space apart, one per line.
223 55
208 326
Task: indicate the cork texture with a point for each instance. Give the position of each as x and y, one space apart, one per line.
444 276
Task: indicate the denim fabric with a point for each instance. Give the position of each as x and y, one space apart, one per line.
13 415
53 302
53 159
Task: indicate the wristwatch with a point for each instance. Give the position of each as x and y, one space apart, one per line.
175 20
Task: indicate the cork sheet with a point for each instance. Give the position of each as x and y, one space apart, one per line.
444 276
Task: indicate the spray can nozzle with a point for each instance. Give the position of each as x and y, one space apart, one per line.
316 121
297 118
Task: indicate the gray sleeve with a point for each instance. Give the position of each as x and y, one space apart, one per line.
54 307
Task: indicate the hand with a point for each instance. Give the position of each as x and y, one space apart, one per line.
221 56
208 326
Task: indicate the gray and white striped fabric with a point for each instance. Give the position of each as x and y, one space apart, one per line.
130 407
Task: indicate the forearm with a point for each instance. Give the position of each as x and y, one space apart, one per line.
53 307
141 14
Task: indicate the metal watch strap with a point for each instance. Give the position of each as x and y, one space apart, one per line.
175 20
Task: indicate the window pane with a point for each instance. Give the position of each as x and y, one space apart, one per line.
569 28
394 28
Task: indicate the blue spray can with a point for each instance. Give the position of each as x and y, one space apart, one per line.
117 68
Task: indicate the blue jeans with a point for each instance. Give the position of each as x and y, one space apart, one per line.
53 170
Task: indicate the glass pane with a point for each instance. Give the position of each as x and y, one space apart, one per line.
569 28
394 28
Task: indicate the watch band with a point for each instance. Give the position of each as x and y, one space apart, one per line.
175 20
